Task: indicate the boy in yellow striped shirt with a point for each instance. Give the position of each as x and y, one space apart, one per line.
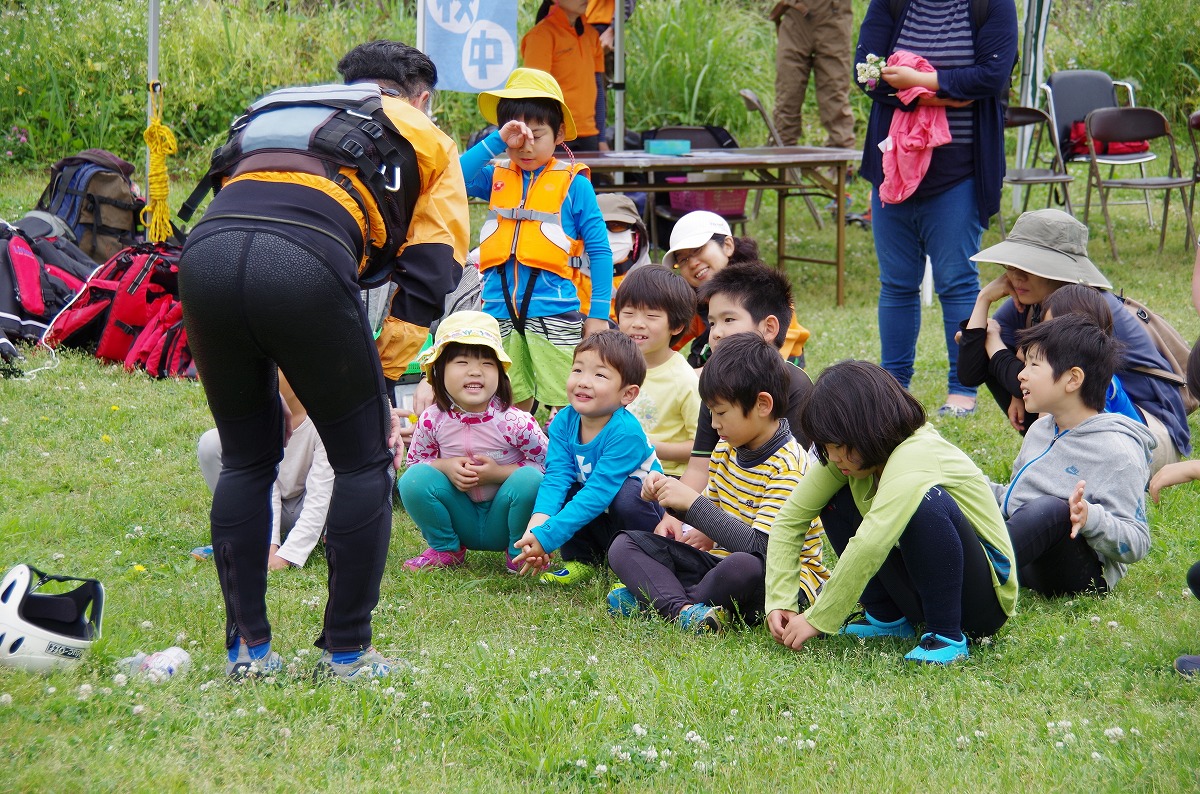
753 470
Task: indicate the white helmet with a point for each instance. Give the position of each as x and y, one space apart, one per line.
40 631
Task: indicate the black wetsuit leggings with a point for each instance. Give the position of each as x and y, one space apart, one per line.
938 573
260 293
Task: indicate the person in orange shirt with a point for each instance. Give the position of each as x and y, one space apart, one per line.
563 45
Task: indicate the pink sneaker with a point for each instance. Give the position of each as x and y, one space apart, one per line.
513 567
436 559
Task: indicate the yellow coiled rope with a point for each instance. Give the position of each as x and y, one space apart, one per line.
156 215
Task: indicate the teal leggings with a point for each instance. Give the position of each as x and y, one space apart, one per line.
449 520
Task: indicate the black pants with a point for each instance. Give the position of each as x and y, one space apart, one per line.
669 575
1050 562
628 511
257 294
938 574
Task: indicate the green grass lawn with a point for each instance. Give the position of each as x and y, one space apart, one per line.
505 685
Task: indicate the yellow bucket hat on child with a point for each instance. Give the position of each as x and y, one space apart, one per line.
465 328
526 83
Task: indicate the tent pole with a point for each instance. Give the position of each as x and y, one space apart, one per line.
619 75
151 68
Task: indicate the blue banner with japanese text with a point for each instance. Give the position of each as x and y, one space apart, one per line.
473 43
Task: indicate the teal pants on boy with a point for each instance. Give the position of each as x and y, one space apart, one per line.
449 520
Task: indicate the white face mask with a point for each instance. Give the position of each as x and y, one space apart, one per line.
621 244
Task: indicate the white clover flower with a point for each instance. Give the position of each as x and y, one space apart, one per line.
730 739
5 700
285 733
1068 737
120 679
50 690
1059 745
733 712
1112 624
138 710
1134 732
240 713
980 734
533 674
781 740
581 763
638 730
59 556
662 764
985 640
104 690
147 624
1095 620
262 710
700 766
1097 757
666 752
601 769
593 660
180 638
484 645
85 691
962 742
1114 734
650 754
787 715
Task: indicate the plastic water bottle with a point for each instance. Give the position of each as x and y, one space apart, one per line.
160 666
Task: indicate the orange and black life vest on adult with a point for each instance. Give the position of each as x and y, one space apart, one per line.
529 227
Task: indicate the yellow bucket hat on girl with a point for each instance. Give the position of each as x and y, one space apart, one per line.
465 328
526 83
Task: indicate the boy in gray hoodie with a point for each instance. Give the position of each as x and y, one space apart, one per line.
1075 507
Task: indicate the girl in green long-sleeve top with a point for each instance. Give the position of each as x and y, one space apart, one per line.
918 534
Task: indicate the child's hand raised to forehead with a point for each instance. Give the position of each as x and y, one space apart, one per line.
515 134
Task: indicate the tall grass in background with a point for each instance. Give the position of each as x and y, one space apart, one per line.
687 60
73 74
1154 44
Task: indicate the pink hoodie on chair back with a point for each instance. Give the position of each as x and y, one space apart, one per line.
912 135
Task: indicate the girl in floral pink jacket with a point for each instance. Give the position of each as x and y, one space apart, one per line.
475 461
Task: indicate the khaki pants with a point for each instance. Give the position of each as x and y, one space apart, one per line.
817 42
1165 452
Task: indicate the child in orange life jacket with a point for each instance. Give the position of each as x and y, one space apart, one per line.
475 461
544 255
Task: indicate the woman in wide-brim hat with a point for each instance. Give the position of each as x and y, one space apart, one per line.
1046 250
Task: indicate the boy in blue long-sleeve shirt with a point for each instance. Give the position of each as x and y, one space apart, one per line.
595 463
544 256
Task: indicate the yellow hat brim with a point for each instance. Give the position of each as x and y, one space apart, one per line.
489 99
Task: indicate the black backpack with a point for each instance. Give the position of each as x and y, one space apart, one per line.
342 126
37 279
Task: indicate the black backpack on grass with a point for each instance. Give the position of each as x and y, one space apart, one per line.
93 194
